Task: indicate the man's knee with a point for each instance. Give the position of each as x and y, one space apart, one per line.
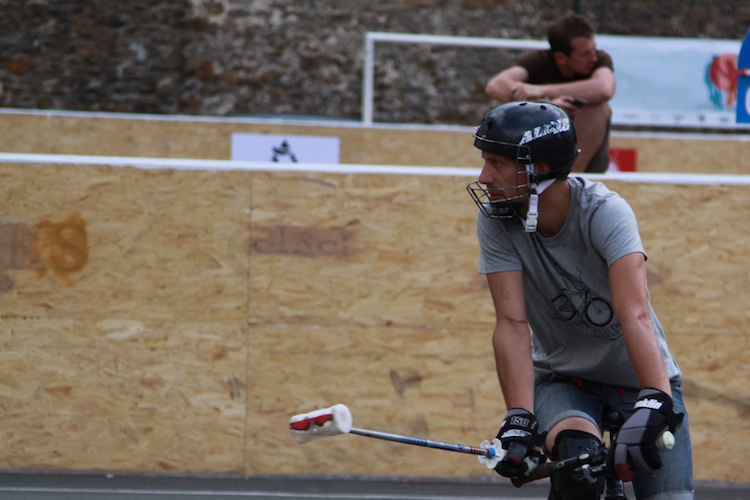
574 486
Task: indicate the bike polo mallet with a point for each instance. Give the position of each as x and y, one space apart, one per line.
337 420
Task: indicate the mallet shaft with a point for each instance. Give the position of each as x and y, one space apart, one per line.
460 448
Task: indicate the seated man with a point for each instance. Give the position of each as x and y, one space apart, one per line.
570 72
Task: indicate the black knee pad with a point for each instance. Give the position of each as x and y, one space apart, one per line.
572 486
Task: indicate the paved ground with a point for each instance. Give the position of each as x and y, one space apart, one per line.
85 487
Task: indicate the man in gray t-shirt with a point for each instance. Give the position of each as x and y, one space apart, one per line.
576 340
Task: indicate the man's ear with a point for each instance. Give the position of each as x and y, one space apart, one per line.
560 58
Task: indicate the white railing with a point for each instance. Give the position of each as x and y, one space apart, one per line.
368 70
346 169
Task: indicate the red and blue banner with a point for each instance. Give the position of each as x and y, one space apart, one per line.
743 82
674 81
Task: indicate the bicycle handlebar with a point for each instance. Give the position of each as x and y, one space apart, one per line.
596 467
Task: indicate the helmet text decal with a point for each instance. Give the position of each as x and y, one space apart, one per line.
553 127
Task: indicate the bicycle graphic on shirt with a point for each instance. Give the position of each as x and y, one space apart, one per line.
576 304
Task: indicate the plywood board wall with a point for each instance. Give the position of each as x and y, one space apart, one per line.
205 138
173 321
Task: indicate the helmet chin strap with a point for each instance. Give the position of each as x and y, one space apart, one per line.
535 189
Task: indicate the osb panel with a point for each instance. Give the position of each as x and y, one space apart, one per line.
699 258
122 395
212 139
744 165
715 370
123 243
181 317
130 135
171 367
437 383
376 250
122 318
109 442
690 154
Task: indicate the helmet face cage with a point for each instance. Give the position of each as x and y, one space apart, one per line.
512 198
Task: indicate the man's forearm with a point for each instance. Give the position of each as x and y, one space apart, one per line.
515 369
499 90
646 358
595 92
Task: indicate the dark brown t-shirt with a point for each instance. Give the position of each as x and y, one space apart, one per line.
542 69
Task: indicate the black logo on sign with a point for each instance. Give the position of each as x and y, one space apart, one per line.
280 153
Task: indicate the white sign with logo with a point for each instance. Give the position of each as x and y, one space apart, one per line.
285 148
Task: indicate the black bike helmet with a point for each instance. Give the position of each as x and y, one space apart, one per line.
530 132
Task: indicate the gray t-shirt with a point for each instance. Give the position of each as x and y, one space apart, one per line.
565 277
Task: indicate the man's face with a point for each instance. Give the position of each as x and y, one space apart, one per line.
503 177
582 57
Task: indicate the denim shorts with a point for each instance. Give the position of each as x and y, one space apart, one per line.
558 398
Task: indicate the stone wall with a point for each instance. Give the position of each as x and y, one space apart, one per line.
301 57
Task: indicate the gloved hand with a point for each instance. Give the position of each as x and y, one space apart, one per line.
519 435
635 448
